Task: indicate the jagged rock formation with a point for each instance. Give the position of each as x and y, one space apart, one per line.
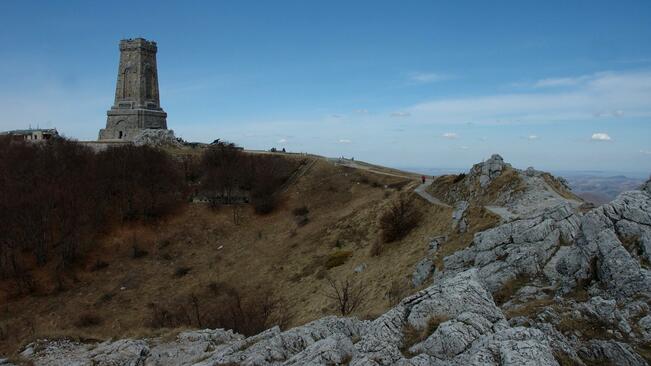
155 137
459 216
473 331
551 284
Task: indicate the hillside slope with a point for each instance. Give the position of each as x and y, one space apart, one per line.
522 273
150 279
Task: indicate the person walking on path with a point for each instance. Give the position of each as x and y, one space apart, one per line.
422 178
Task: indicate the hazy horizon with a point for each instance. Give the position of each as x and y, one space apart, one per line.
559 86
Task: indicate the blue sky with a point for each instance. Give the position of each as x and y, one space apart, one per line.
559 85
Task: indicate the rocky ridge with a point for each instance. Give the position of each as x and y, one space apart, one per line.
552 284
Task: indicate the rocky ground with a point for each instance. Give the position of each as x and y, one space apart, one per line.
554 283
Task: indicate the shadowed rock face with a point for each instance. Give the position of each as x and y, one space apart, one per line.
647 186
582 296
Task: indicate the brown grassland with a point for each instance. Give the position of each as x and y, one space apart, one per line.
178 260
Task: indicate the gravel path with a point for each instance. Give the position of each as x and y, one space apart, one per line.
421 191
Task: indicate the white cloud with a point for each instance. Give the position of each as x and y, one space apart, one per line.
344 141
282 141
361 111
609 91
426 77
600 136
463 147
645 152
617 113
450 135
532 137
400 114
560 82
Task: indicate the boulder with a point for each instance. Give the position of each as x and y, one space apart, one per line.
459 221
422 272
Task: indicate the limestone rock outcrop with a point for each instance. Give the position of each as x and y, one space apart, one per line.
473 331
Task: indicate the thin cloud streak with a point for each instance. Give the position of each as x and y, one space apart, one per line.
427 77
624 95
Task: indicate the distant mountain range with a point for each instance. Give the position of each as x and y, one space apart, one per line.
601 189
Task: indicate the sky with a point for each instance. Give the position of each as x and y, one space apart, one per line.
558 85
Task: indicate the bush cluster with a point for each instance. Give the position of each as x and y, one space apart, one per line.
222 306
231 176
397 221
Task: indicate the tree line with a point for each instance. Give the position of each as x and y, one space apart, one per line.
58 197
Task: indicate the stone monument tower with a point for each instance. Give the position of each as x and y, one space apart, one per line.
137 105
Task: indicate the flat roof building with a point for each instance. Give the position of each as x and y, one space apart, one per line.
32 134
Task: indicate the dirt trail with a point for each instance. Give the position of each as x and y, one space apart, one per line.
421 191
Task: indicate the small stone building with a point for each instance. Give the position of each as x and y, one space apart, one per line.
137 103
32 134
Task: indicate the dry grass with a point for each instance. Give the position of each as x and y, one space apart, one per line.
590 328
251 256
451 188
398 290
644 350
510 288
413 335
509 180
559 188
529 309
337 258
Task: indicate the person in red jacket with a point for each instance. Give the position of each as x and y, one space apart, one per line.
422 178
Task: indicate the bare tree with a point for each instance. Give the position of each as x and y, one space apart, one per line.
347 295
237 214
399 220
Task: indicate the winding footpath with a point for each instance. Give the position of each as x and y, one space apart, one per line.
421 190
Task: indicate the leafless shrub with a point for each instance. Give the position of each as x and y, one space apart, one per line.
301 221
347 294
223 307
99 265
301 211
181 271
237 214
105 298
25 282
399 220
337 258
86 320
136 252
376 248
222 166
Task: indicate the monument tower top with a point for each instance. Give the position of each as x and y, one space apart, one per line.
137 101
